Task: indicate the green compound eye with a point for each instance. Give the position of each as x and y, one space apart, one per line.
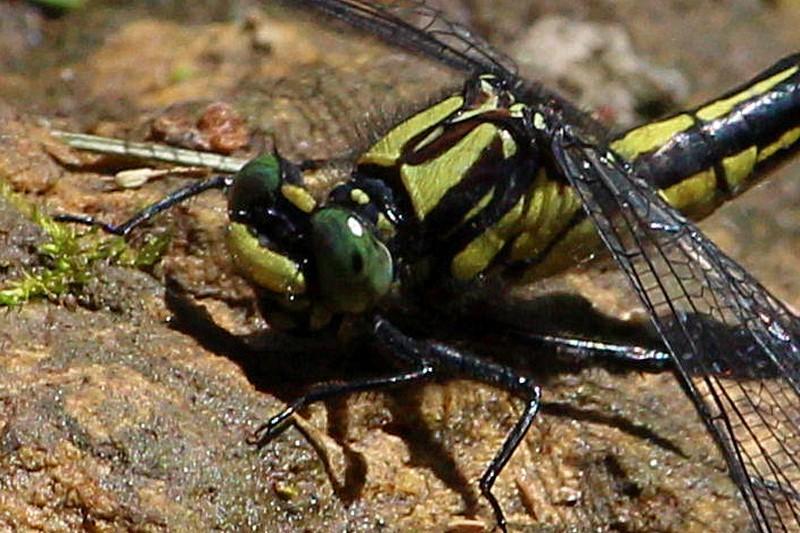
256 184
354 268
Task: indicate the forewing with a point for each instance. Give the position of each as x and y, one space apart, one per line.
737 347
420 29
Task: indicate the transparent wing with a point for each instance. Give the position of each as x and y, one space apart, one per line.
425 31
420 29
737 348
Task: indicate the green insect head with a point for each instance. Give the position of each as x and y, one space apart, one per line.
312 259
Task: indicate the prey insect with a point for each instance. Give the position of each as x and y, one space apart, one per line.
508 180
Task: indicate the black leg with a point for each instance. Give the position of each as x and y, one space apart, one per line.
427 359
463 363
174 198
325 391
499 461
583 351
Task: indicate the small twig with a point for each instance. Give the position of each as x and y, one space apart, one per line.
151 151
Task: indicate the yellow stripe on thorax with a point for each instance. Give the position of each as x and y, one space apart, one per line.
427 183
580 243
389 148
478 207
478 254
551 206
529 229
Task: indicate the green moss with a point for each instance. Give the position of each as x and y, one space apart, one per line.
68 257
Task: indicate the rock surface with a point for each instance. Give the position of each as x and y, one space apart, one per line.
128 406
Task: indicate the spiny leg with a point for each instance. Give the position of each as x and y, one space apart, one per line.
581 350
502 457
174 198
457 362
429 358
326 391
654 358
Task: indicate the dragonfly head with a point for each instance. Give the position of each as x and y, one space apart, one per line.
318 260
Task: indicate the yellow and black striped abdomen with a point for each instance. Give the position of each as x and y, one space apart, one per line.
698 159
704 157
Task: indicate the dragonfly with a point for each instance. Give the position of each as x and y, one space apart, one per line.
508 180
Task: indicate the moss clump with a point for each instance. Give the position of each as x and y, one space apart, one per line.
68 257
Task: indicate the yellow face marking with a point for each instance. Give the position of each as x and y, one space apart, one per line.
387 150
385 227
427 183
299 196
271 270
477 255
651 136
359 197
724 106
738 167
786 140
